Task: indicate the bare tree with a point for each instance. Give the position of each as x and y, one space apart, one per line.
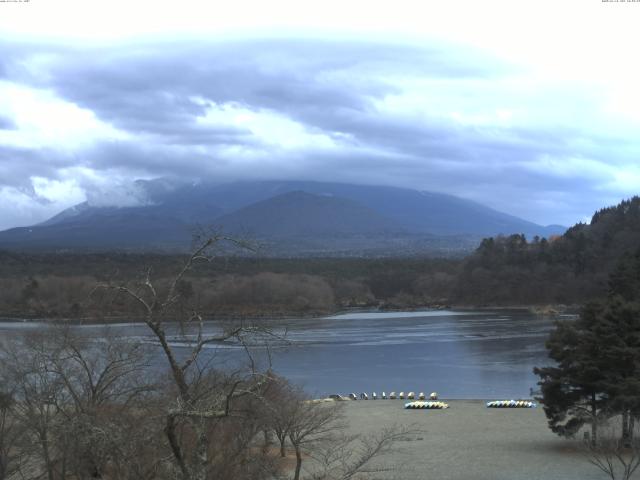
348 456
312 423
71 394
280 401
103 378
615 456
97 371
11 437
200 402
37 394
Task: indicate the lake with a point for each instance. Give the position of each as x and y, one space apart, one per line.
459 354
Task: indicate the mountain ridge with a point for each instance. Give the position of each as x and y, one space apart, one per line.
404 221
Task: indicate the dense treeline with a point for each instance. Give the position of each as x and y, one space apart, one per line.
572 268
60 285
506 270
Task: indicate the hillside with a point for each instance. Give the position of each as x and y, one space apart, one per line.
301 214
568 269
416 211
104 228
291 218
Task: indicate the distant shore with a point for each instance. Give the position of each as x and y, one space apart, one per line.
545 310
471 442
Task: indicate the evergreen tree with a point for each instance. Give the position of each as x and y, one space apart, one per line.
625 280
620 329
573 392
598 359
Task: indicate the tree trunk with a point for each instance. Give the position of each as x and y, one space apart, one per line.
202 453
267 441
594 421
296 476
176 371
44 443
283 453
170 432
626 442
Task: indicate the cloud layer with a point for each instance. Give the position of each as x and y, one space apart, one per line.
83 123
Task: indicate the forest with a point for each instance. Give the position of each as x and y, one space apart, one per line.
502 271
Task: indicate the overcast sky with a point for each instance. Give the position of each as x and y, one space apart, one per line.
532 108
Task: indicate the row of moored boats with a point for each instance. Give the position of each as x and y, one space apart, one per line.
511 404
493 404
384 396
433 402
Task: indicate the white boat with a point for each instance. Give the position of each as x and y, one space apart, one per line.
511 404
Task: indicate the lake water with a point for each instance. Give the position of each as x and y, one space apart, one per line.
459 354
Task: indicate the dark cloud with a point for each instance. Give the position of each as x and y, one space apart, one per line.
149 88
18 164
159 95
141 157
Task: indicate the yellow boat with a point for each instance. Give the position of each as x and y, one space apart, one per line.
426 405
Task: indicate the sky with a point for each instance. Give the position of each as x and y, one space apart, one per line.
529 107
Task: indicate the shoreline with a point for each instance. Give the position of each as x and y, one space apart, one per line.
440 399
544 310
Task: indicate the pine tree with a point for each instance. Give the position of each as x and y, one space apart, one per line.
597 372
573 391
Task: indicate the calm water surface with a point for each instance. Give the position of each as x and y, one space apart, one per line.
459 354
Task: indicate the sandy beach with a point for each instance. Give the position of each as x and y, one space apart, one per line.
470 441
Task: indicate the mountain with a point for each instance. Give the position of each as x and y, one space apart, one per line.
104 228
294 217
302 214
417 211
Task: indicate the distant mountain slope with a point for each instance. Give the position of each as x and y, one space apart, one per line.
188 204
419 212
394 221
104 228
425 212
303 214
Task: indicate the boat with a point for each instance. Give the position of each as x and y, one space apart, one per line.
511 404
426 405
